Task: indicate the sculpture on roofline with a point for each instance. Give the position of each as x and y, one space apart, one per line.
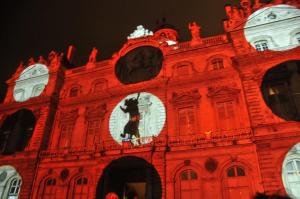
93 55
195 30
140 31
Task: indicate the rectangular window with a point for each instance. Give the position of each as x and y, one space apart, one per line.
226 115
66 135
93 129
186 120
217 64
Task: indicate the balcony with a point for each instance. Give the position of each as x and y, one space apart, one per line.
200 140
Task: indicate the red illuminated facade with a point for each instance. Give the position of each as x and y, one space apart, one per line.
220 138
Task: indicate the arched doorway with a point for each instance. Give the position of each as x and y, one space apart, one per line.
128 176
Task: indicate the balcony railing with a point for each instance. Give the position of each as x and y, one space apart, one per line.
170 141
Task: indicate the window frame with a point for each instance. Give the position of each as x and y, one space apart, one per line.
261 45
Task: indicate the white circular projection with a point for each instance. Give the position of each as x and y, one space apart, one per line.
152 116
291 172
31 82
274 28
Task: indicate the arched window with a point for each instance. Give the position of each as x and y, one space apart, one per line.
236 183
292 177
14 188
188 184
261 45
74 92
217 64
10 182
37 90
49 191
81 188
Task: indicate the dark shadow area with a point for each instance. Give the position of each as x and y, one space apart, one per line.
129 176
16 131
281 90
138 65
265 196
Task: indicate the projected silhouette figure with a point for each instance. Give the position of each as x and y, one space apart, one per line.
132 126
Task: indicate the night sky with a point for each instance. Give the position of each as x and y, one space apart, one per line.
33 27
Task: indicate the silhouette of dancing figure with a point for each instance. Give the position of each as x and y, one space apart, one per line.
132 126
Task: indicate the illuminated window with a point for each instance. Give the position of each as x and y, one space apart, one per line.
93 128
261 45
14 188
292 177
298 37
226 115
37 90
217 64
66 135
81 188
19 94
49 191
74 92
186 120
189 185
235 172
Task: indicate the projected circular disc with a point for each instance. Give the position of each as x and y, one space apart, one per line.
152 117
31 82
278 26
291 171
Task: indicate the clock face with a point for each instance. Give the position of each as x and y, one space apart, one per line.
31 82
140 64
277 26
137 118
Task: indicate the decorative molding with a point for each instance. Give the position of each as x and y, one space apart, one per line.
69 116
217 92
186 97
95 111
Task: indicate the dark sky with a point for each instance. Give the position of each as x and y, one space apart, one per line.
35 27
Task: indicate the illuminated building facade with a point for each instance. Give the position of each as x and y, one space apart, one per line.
214 117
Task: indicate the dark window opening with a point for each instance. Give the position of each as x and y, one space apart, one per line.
140 64
73 92
281 90
16 131
235 171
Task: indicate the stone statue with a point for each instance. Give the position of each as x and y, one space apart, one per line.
195 30
93 55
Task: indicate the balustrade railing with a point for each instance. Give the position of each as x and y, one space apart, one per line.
163 140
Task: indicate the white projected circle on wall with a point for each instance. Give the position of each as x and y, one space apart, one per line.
291 172
152 117
31 82
274 28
